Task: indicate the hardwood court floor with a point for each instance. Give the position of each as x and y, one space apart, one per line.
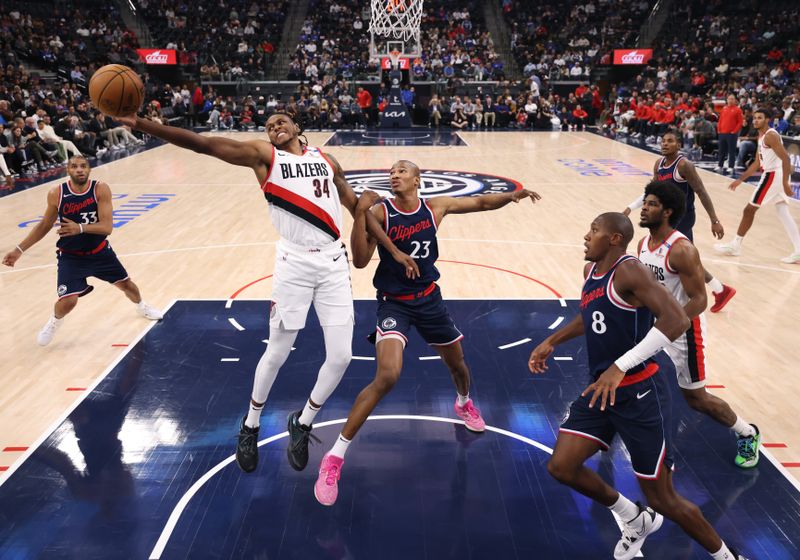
213 236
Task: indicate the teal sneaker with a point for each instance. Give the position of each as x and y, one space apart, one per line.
747 449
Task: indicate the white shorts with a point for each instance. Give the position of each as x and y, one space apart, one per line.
769 189
311 274
688 353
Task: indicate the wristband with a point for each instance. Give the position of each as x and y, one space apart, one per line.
638 203
81 226
19 249
652 343
714 222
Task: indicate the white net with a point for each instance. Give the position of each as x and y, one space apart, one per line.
396 19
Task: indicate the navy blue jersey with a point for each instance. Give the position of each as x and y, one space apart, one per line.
671 175
612 326
414 233
81 209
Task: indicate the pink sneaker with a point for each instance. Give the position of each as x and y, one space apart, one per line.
326 488
471 416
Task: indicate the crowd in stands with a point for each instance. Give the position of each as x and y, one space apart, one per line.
730 56
62 38
563 40
334 43
226 39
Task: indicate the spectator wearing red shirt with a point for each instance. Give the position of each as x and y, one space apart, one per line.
728 128
579 117
364 100
580 90
644 114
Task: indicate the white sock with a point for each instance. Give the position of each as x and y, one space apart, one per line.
625 508
737 241
56 320
340 447
308 414
253 419
715 285
462 400
743 428
788 224
723 553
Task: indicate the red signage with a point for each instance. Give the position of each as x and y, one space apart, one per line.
403 63
157 56
632 56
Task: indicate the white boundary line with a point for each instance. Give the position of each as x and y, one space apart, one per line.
174 517
512 344
52 428
556 323
235 323
229 359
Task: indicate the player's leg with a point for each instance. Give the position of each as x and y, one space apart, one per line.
663 498
131 291
734 247
107 267
785 217
389 350
71 281
292 293
333 302
453 356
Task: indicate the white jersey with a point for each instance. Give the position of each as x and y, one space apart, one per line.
303 200
687 351
769 159
657 258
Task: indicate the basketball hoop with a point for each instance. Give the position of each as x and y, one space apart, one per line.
396 20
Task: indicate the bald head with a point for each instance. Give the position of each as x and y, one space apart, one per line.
616 222
410 165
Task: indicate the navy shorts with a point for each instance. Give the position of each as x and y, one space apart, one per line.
687 223
427 314
73 270
641 417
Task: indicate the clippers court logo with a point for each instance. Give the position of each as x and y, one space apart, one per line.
435 183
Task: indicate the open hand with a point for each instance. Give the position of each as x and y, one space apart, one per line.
516 196
536 363
605 387
718 230
735 184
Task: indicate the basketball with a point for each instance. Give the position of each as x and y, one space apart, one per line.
116 90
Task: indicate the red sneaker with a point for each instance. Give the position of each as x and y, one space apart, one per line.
722 298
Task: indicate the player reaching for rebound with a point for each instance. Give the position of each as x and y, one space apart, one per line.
628 395
305 189
674 168
403 302
772 159
84 211
676 265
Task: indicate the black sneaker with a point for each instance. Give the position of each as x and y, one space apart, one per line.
247 448
297 450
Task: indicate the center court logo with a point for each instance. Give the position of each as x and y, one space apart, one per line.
435 182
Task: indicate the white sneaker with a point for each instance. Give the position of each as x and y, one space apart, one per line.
48 331
149 312
791 259
727 249
635 532
718 169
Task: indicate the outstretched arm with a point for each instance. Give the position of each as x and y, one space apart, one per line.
38 232
688 172
349 200
444 205
256 154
